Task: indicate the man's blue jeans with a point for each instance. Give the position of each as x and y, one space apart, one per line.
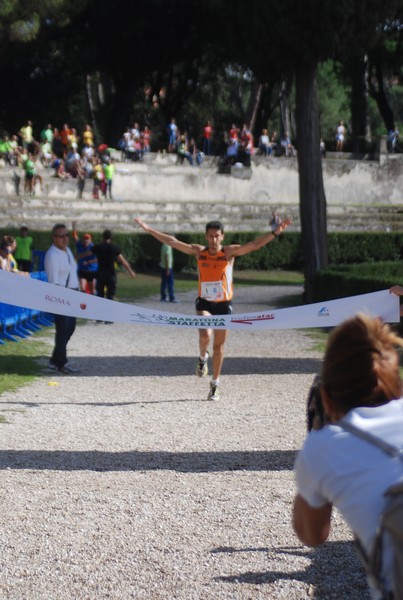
167 281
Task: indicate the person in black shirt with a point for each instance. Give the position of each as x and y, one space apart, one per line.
108 254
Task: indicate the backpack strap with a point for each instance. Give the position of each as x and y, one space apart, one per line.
373 562
392 451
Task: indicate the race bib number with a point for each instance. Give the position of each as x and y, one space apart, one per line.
212 290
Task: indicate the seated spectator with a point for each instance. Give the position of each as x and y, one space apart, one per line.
46 155
196 154
88 166
232 152
6 150
264 143
393 136
87 152
13 262
14 150
60 170
72 161
247 140
183 150
135 131
133 150
6 248
287 147
274 143
72 140
233 133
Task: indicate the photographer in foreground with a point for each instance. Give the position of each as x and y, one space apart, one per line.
359 385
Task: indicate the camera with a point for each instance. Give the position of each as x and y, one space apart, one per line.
316 415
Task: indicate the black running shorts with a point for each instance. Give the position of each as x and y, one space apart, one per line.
214 308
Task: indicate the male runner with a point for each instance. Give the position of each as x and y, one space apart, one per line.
215 265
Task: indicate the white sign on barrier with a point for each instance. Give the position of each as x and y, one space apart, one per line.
50 298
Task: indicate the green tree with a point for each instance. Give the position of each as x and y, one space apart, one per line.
276 39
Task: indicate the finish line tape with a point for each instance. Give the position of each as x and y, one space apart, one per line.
26 292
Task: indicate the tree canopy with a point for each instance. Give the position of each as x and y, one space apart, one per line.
112 63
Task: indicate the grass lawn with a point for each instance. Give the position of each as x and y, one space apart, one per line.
18 360
130 290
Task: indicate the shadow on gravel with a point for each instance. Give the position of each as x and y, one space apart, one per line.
335 570
184 462
174 366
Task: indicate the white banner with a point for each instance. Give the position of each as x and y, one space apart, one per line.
46 297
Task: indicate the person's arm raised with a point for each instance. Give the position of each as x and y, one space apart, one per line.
258 242
165 238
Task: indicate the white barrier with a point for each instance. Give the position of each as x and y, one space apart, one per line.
50 298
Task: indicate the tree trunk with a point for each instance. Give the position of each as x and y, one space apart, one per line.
359 104
311 190
254 104
115 115
379 95
285 110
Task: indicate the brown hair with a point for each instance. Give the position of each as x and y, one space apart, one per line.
361 364
7 240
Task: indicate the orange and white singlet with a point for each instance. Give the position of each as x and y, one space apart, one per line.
215 276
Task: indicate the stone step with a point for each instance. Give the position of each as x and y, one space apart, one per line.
41 213
361 195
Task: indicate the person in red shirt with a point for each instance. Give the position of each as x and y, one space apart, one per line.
145 139
233 133
65 136
207 138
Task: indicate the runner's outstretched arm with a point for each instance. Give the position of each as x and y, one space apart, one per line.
165 238
258 242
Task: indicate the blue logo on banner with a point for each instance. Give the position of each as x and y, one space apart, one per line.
324 312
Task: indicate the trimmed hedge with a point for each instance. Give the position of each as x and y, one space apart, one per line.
350 280
143 251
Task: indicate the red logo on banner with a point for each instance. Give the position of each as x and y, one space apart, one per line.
83 306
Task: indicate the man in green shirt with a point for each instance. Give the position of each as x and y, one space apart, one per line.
167 273
109 171
23 252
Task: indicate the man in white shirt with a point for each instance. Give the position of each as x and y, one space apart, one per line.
61 269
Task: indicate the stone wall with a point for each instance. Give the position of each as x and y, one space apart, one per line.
360 194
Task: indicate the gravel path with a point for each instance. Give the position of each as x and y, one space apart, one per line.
124 482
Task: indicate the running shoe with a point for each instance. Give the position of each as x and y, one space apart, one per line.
214 393
68 370
202 367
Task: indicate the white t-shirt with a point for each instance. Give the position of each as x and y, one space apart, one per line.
61 268
338 467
